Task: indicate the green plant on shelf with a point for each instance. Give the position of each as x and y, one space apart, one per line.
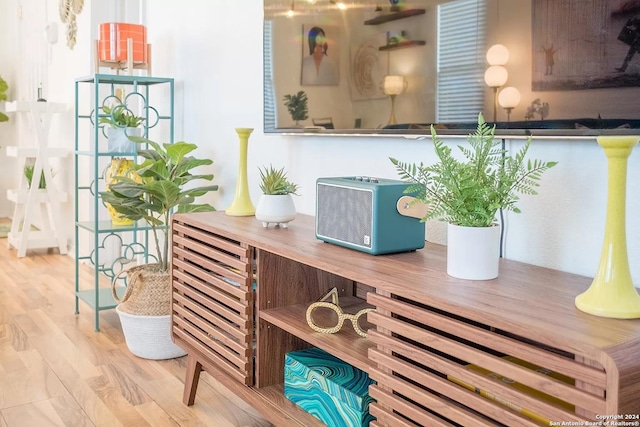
3 97
297 106
120 116
166 185
29 169
274 182
468 191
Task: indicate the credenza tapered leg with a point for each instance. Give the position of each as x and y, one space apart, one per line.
191 379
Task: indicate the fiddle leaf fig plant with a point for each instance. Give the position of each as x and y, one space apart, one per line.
3 97
297 106
162 189
469 192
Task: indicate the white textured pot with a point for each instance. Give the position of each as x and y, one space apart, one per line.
473 253
118 141
149 337
275 209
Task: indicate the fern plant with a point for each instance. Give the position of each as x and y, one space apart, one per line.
274 182
470 192
297 106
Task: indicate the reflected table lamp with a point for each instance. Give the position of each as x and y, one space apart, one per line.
497 55
392 87
495 77
509 99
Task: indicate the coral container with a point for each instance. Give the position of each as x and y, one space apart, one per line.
112 46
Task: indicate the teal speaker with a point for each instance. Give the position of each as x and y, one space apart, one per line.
367 214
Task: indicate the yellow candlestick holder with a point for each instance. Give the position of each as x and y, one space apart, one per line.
612 293
242 205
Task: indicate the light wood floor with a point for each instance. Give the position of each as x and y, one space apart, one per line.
56 371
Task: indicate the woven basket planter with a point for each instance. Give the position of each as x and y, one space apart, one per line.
145 313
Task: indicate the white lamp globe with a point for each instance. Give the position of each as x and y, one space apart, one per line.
509 97
496 76
394 85
497 55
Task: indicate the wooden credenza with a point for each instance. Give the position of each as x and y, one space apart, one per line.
240 293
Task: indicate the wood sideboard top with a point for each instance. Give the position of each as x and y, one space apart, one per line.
526 300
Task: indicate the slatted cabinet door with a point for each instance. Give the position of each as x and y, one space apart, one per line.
423 354
213 300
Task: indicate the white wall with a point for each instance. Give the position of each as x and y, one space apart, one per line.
214 51
219 68
8 54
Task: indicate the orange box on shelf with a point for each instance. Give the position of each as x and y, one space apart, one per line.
112 46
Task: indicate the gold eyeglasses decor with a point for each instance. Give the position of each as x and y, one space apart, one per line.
334 305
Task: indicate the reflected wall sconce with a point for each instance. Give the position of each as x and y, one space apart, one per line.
393 86
509 98
291 11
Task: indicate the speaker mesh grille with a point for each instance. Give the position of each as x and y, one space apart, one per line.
344 214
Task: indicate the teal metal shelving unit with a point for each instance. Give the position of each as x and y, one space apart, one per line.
154 96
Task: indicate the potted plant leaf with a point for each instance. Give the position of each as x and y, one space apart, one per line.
165 186
3 97
276 204
122 125
468 193
29 169
297 106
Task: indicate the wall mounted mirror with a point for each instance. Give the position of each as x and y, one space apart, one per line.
561 68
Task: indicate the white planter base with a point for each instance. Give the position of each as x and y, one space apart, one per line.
118 139
276 209
473 253
149 337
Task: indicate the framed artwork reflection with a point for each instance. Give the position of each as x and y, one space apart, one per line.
320 55
585 44
368 68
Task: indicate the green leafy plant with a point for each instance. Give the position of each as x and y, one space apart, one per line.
161 190
120 116
297 106
28 173
275 182
470 192
3 97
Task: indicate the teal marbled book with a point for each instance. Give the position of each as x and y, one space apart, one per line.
328 388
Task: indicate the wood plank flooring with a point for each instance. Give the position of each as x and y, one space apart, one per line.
56 371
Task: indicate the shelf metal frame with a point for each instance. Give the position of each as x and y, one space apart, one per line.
100 298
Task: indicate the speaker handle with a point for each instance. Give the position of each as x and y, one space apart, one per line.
411 207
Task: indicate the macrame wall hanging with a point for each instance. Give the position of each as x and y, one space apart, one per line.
68 11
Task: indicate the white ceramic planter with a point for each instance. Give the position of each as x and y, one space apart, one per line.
473 253
118 141
275 209
149 337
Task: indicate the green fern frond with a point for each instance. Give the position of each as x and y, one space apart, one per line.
470 192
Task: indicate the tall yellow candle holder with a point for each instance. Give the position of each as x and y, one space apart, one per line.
612 293
241 205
